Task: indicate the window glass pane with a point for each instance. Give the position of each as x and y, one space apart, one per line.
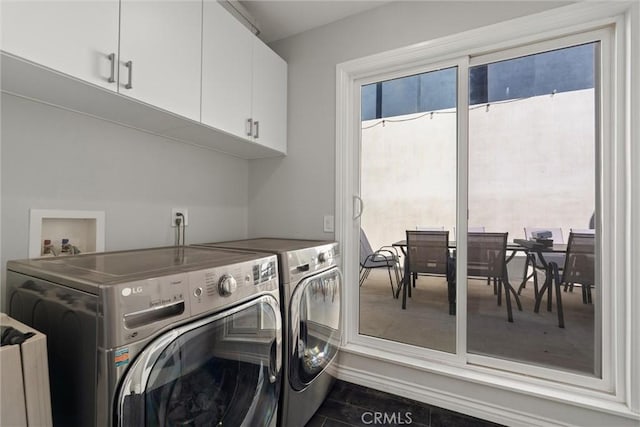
369 102
435 91
412 94
532 166
400 96
408 180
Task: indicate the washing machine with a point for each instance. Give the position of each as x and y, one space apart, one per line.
174 336
310 285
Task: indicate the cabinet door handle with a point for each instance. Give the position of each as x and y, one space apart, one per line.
112 60
129 65
256 134
249 128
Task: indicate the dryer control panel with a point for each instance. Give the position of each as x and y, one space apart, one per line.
304 262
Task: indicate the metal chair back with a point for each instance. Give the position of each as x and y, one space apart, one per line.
428 251
365 247
579 265
486 254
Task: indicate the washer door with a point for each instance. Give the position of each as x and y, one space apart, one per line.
315 326
220 370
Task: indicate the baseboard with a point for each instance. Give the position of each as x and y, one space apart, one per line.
457 403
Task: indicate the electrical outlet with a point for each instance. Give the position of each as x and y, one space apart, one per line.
174 216
328 223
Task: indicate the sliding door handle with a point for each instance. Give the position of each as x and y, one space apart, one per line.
360 209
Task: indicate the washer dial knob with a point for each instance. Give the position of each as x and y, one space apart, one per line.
227 285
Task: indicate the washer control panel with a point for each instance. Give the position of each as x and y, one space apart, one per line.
146 301
227 285
138 309
214 288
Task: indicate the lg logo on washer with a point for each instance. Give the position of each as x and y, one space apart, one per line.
128 291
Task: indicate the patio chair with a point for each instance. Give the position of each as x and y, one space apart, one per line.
486 258
579 267
385 257
586 294
428 253
478 229
534 261
424 228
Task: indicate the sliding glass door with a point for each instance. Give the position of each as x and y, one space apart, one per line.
515 182
533 153
408 182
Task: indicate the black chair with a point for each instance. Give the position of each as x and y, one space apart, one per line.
428 253
385 257
486 258
586 293
579 268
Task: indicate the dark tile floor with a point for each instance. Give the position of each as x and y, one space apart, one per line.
353 405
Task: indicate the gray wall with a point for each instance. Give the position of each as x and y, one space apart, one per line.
288 197
57 159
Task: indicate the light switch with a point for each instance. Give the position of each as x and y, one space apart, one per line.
328 223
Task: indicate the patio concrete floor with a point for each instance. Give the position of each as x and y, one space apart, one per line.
534 338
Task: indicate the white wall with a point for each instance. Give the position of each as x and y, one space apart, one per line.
538 151
57 159
288 197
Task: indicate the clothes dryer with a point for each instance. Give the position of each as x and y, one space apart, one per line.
156 337
310 285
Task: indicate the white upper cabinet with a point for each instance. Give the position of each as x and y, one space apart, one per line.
269 98
160 54
78 38
226 71
244 83
185 69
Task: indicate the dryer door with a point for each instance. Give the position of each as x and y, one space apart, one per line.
220 370
315 326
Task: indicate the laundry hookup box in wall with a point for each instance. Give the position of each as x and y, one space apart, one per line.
24 377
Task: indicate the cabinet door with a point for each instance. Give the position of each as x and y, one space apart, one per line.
73 37
161 41
226 71
269 97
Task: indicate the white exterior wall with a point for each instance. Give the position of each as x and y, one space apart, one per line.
531 163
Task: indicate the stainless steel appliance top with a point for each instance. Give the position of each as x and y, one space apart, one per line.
107 268
297 258
269 244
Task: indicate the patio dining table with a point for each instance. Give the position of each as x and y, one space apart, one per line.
518 245
531 246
